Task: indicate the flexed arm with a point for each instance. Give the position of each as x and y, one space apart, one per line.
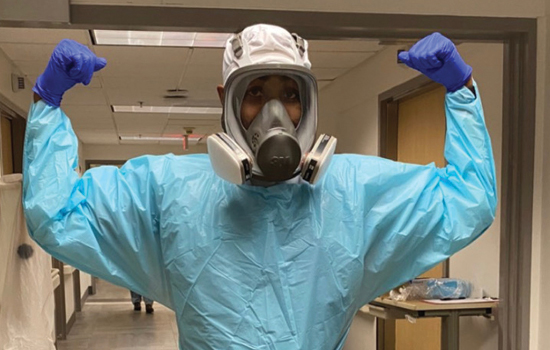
105 223
419 215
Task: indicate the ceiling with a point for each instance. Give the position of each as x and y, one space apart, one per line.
135 74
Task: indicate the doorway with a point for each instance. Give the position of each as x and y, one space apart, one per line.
421 140
416 127
519 38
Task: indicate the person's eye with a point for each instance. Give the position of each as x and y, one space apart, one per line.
291 95
255 91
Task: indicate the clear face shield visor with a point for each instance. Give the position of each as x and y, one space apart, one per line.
275 138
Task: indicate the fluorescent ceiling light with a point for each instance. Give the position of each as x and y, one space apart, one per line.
161 138
142 38
183 139
167 109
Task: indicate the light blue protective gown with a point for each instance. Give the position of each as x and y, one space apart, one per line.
284 267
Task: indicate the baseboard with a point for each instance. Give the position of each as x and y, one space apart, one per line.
71 322
84 297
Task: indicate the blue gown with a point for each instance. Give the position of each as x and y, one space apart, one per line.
283 267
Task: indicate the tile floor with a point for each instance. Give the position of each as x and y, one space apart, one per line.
108 321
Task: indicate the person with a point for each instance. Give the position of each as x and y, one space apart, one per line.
136 300
276 262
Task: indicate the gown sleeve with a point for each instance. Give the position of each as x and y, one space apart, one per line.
105 223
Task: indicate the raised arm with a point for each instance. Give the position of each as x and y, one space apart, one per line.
421 215
105 223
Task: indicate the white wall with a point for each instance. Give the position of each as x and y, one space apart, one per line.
349 110
20 101
362 335
85 282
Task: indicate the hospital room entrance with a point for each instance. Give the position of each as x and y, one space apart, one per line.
157 97
12 129
420 140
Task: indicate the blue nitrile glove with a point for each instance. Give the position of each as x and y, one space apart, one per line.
437 57
70 63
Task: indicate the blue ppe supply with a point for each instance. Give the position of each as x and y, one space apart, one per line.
70 63
247 267
437 57
447 288
438 288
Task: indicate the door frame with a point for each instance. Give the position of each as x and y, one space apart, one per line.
516 187
17 131
519 36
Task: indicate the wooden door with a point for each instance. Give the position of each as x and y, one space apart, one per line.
421 140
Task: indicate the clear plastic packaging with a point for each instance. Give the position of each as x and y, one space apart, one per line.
26 292
433 288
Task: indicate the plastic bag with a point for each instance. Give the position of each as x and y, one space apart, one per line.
433 288
26 293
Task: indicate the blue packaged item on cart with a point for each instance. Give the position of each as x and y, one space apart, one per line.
433 288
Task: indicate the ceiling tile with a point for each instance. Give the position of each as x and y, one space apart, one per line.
193 147
131 97
199 119
344 45
153 55
31 68
90 124
202 56
90 117
328 73
139 142
323 84
119 68
198 129
204 73
84 96
131 87
143 62
174 143
138 123
155 97
141 83
28 52
42 36
213 101
217 128
94 137
198 82
338 59
205 91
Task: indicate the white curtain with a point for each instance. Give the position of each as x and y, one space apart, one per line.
26 293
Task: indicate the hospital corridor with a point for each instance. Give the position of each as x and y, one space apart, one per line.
107 321
204 175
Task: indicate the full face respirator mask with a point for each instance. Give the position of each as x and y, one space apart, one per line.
272 148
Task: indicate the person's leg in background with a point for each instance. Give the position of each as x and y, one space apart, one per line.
136 299
148 305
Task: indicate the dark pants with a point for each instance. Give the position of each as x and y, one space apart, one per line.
136 298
